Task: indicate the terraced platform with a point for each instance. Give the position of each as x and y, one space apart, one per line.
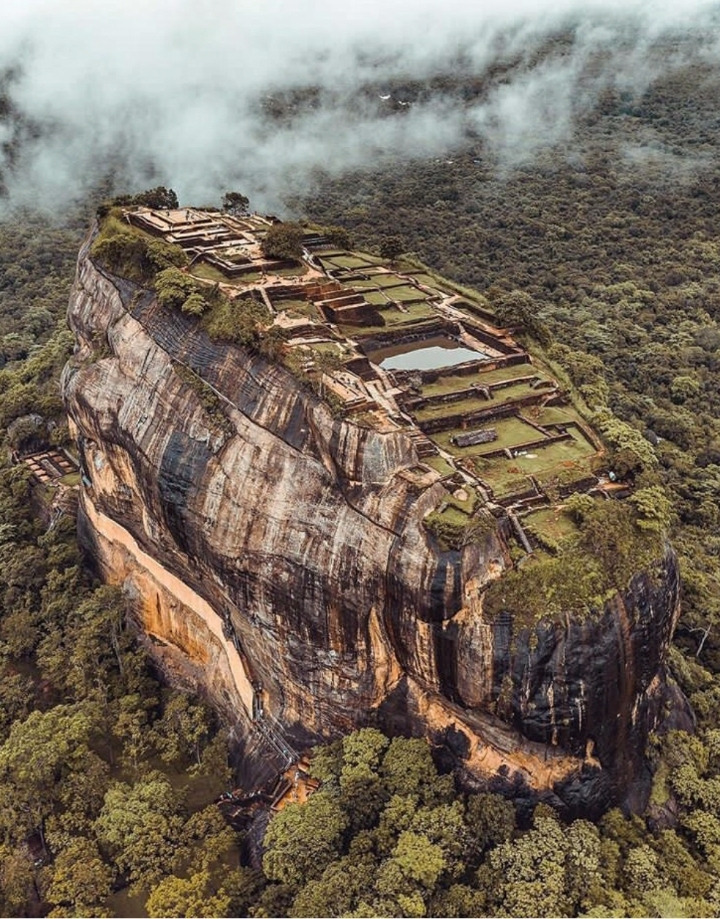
398 348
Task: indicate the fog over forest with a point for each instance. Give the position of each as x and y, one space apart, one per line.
204 96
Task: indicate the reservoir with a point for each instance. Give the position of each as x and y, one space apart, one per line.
427 354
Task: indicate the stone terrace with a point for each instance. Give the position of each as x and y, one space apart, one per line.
399 348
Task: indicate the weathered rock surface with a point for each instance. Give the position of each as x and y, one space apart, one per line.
277 557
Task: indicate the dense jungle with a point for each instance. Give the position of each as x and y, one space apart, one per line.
605 252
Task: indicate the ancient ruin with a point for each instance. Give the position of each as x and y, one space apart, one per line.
309 537
411 354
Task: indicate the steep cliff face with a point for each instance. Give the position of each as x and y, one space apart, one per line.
276 555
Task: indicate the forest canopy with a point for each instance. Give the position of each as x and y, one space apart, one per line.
108 777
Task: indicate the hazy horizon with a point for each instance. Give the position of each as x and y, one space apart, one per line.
177 94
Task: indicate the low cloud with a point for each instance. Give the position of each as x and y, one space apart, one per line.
206 96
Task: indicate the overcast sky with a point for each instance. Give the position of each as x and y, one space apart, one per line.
172 90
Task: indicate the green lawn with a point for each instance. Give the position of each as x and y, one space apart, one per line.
295 270
414 312
562 461
430 281
500 396
562 414
556 414
376 298
405 292
511 432
385 279
561 453
358 283
348 261
330 347
501 374
209 273
455 516
439 463
501 476
551 522
455 382
394 318
298 306
367 257
337 258
437 294
509 393
469 504
440 410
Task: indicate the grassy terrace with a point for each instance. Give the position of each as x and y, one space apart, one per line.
471 404
405 292
414 313
328 347
466 506
563 461
453 519
427 276
299 306
560 461
296 309
511 432
455 382
440 464
335 260
429 281
377 298
556 414
454 515
474 402
209 273
550 523
516 391
347 261
381 279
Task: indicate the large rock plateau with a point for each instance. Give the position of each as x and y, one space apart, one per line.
276 557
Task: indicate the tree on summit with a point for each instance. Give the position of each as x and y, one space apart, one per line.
284 241
391 247
235 203
159 197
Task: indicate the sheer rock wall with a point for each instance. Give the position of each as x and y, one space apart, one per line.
302 534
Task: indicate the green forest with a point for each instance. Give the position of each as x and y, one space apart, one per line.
108 777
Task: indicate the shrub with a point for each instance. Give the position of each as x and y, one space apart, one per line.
195 305
455 529
174 289
283 240
237 321
125 251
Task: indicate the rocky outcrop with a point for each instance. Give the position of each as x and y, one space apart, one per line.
276 556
